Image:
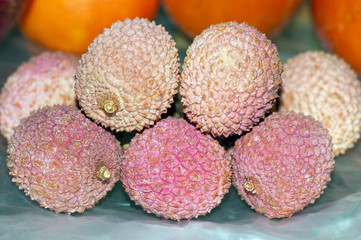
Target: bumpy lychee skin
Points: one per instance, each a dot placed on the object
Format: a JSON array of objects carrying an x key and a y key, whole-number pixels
[
  {"x": 62, "y": 159},
  {"x": 230, "y": 78},
  {"x": 129, "y": 75},
  {"x": 283, "y": 164},
  {"x": 324, "y": 86},
  {"x": 175, "y": 171},
  {"x": 46, "y": 79}
]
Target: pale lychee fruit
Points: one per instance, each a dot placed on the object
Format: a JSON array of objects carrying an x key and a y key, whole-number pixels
[
  {"x": 129, "y": 76},
  {"x": 45, "y": 79},
  {"x": 175, "y": 171},
  {"x": 283, "y": 164},
  {"x": 230, "y": 78},
  {"x": 62, "y": 159},
  {"x": 324, "y": 86}
]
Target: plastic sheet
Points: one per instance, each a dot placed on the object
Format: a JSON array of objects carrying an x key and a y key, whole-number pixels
[{"x": 335, "y": 215}]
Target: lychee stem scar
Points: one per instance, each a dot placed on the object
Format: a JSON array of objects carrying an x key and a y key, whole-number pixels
[
  {"x": 249, "y": 187},
  {"x": 109, "y": 106},
  {"x": 103, "y": 173}
]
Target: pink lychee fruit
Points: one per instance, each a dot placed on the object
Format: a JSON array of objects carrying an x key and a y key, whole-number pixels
[
  {"x": 230, "y": 79},
  {"x": 175, "y": 171},
  {"x": 45, "y": 79},
  {"x": 63, "y": 160},
  {"x": 324, "y": 86},
  {"x": 283, "y": 164},
  {"x": 129, "y": 76}
]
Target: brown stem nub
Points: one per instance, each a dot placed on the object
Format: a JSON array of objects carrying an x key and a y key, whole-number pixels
[
  {"x": 249, "y": 187},
  {"x": 103, "y": 173},
  {"x": 109, "y": 106}
]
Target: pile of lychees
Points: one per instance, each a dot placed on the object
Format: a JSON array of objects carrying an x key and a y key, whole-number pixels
[{"x": 61, "y": 117}]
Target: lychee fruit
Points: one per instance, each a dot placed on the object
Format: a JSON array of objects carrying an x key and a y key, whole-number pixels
[
  {"x": 324, "y": 86},
  {"x": 45, "y": 79},
  {"x": 230, "y": 79},
  {"x": 9, "y": 13},
  {"x": 175, "y": 171},
  {"x": 283, "y": 164},
  {"x": 62, "y": 159},
  {"x": 129, "y": 76}
]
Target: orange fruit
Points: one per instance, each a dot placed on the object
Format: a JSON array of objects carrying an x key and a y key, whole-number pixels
[
  {"x": 193, "y": 16},
  {"x": 71, "y": 25},
  {"x": 338, "y": 25}
]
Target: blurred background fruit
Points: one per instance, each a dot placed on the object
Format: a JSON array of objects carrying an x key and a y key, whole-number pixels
[
  {"x": 193, "y": 16},
  {"x": 72, "y": 25},
  {"x": 338, "y": 25},
  {"x": 9, "y": 11}
]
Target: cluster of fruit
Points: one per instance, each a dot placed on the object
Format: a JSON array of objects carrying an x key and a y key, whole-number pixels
[
  {"x": 65, "y": 154},
  {"x": 337, "y": 22}
]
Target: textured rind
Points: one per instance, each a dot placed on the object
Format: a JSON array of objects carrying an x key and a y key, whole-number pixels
[
  {"x": 288, "y": 159},
  {"x": 135, "y": 64},
  {"x": 46, "y": 79},
  {"x": 175, "y": 171},
  {"x": 324, "y": 86},
  {"x": 54, "y": 155},
  {"x": 230, "y": 79}
]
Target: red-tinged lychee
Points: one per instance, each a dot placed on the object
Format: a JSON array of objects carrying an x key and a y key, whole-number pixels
[
  {"x": 129, "y": 76},
  {"x": 324, "y": 86},
  {"x": 283, "y": 164},
  {"x": 45, "y": 79},
  {"x": 230, "y": 79},
  {"x": 62, "y": 159},
  {"x": 175, "y": 171},
  {"x": 9, "y": 13}
]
